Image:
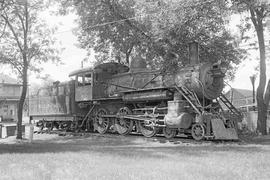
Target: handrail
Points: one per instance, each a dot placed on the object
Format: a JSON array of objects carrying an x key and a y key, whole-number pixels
[
  {"x": 190, "y": 102},
  {"x": 232, "y": 108}
]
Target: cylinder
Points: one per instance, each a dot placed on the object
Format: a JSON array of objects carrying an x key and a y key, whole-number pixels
[
  {"x": 176, "y": 116},
  {"x": 182, "y": 121}
]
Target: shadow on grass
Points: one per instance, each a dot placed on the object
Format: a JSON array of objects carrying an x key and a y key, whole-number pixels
[
  {"x": 124, "y": 146},
  {"x": 257, "y": 140}
]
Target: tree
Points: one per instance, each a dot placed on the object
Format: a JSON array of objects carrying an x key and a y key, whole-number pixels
[
  {"x": 115, "y": 39},
  {"x": 258, "y": 12},
  {"x": 153, "y": 29},
  {"x": 25, "y": 43}
]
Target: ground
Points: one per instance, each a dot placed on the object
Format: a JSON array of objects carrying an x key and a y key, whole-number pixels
[{"x": 96, "y": 156}]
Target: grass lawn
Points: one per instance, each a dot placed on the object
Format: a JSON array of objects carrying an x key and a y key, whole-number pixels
[{"x": 117, "y": 157}]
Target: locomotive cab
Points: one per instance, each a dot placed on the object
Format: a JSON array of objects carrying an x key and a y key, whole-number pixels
[
  {"x": 83, "y": 84},
  {"x": 91, "y": 84}
]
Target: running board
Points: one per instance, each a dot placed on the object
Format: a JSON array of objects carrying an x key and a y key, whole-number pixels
[{"x": 132, "y": 117}]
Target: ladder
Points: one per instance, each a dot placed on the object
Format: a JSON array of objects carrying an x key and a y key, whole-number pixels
[
  {"x": 191, "y": 97},
  {"x": 229, "y": 105},
  {"x": 87, "y": 116}
]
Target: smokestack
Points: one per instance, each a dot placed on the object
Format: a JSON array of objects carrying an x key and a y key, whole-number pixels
[{"x": 193, "y": 49}]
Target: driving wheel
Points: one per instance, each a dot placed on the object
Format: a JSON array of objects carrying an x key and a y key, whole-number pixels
[
  {"x": 123, "y": 125},
  {"x": 101, "y": 124}
]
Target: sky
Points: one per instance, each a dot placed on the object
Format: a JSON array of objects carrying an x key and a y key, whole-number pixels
[{"x": 72, "y": 55}]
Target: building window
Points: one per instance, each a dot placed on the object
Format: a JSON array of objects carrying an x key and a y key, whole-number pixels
[{"x": 5, "y": 108}]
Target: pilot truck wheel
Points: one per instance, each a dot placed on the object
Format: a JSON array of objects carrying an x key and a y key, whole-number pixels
[
  {"x": 169, "y": 133},
  {"x": 198, "y": 131}
]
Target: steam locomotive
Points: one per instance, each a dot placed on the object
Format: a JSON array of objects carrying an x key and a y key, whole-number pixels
[{"x": 114, "y": 97}]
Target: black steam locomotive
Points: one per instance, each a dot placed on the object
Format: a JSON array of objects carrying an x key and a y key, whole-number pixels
[{"x": 114, "y": 97}]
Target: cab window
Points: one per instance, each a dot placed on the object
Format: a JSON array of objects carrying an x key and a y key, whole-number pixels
[
  {"x": 88, "y": 79},
  {"x": 80, "y": 80},
  {"x": 85, "y": 79}
]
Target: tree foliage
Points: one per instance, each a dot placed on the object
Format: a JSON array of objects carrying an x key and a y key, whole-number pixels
[
  {"x": 39, "y": 40},
  {"x": 120, "y": 30},
  {"x": 25, "y": 42}
]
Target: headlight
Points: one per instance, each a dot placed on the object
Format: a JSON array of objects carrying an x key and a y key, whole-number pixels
[{"x": 223, "y": 70}]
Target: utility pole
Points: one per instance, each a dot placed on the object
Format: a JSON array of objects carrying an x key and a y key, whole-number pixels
[{"x": 252, "y": 79}]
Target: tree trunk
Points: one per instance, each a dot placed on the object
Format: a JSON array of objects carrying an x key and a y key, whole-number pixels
[
  {"x": 128, "y": 52},
  {"x": 127, "y": 58},
  {"x": 22, "y": 98},
  {"x": 262, "y": 106},
  {"x": 24, "y": 73}
]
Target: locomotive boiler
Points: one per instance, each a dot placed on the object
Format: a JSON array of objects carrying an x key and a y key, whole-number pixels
[{"x": 114, "y": 97}]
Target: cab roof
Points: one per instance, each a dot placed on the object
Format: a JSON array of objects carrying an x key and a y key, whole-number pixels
[
  {"x": 110, "y": 67},
  {"x": 80, "y": 71}
]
